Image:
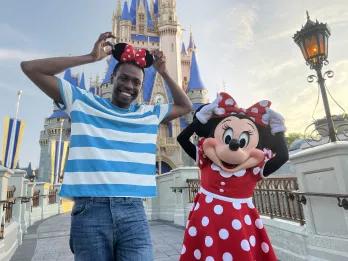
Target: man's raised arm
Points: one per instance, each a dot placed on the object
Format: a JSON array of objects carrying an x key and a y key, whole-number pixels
[
  {"x": 182, "y": 103},
  {"x": 42, "y": 71}
]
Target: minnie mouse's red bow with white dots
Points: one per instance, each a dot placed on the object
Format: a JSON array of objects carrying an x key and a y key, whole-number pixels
[
  {"x": 227, "y": 106},
  {"x": 131, "y": 55}
]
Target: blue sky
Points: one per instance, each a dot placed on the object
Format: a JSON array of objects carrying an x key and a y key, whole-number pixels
[{"x": 245, "y": 44}]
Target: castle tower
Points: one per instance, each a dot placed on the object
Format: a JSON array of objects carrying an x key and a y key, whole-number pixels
[
  {"x": 125, "y": 24},
  {"x": 170, "y": 37}
]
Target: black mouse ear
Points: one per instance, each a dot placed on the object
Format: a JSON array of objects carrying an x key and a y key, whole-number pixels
[
  {"x": 118, "y": 50},
  {"x": 149, "y": 59}
]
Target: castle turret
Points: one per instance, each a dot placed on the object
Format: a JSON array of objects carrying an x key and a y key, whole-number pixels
[
  {"x": 196, "y": 89},
  {"x": 125, "y": 24},
  {"x": 170, "y": 38}
]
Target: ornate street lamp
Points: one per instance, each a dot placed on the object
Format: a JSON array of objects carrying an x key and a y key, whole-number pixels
[{"x": 313, "y": 42}]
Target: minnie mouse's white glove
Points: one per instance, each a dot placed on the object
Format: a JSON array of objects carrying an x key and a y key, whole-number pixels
[
  {"x": 275, "y": 120},
  {"x": 208, "y": 110}
]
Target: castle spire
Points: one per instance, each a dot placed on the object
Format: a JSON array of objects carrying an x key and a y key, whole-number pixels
[
  {"x": 125, "y": 12},
  {"x": 195, "y": 82},
  {"x": 133, "y": 11},
  {"x": 191, "y": 42},
  {"x": 119, "y": 9},
  {"x": 183, "y": 49}
]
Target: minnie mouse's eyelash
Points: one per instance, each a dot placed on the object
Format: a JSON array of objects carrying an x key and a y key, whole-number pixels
[
  {"x": 250, "y": 132},
  {"x": 225, "y": 127}
]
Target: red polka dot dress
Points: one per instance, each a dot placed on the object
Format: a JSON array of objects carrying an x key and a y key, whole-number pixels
[{"x": 223, "y": 223}]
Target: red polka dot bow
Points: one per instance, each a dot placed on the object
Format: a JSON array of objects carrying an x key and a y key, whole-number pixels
[
  {"x": 131, "y": 55},
  {"x": 257, "y": 113}
]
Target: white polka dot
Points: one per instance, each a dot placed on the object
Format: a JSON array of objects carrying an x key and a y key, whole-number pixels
[
  {"x": 208, "y": 241},
  {"x": 265, "y": 247},
  {"x": 129, "y": 56},
  {"x": 229, "y": 101},
  {"x": 250, "y": 204},
  {"x": 208, "y": 199},
  {"x": 205, "y": 221},
  {"x": 247, "y": 220},
  {"x": 197, "y": 206},
  {"x": 236, "y": 205},
  {"x": 258, "y": 223},
  {"x": 256, "y": 170},
  {"x": 124, "y": 59},
  {"x": 223, "y": 233},
  {"x": 254, "y": 110},
  {"x": 209, "y": 258},
  {"x": 245, "y": 245},
  {"x": 200, "y": 162},
  {"x": 236, "y": 224},
  {"x": 222, "y": 183},
  {"x": 221, "y": 190},
  {"x": 143, "y": 59},
  {"x": 183, "y": 250},
  {"x": 227, "y": 257},
  {"x": 192, "y": 231},
  {"x": 137, "y": 54},
  {"x": 252, "y": 240},
  {"x": 218, "y": 209},
  {"x": 197, "y": 254}
]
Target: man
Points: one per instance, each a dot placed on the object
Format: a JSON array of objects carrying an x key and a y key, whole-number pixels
[{"x": 112, "y": 153}]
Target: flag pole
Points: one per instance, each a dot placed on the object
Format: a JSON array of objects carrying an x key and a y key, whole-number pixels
[{"x": 19, "y": 93}]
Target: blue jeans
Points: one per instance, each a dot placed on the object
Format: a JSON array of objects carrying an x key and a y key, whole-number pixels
[{"x": 107, "y": 229}]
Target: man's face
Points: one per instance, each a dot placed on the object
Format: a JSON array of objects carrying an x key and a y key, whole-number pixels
[{"x": 126, "y": 85}]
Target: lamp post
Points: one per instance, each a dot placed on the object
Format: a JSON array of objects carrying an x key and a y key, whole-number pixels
[{"x": 313, "y": 42}]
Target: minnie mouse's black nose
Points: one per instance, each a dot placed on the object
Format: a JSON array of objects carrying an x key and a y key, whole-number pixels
[{"x": 234, "y": 145}]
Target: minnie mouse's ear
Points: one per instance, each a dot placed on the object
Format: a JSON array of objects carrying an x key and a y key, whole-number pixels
[
  {"x": 149, "y": 59},
  {"x": 117, "y": 50}
]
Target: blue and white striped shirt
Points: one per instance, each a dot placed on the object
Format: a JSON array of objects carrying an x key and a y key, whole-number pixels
[{"x": 112, "y": 150}]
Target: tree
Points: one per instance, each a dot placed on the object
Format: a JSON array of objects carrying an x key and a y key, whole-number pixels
[{"x": 291, "y": 137}]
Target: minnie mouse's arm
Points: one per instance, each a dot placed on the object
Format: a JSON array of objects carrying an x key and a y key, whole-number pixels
[
  {"x": 184, "y": 139},
  {"x": 282, "y": 155}
]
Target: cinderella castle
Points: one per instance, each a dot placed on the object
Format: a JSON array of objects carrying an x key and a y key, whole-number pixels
[{"x": 150, "y": 24}]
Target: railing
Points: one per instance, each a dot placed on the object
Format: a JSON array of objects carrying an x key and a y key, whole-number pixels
[
  {"x": 275, "y": 197},
  {"x": 52, "y": 196},
  {"x": 193, "y": 187},
  {"x": 36, "y": 198},
  {"x": 8, "y": 204},
  {"x": 7, "y": 208}
]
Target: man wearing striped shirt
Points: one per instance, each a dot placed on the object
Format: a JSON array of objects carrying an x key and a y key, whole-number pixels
[{"x": 111, "y": 163}]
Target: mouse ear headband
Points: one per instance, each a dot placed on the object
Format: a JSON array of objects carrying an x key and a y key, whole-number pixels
[{"x": 124, "y": 53}]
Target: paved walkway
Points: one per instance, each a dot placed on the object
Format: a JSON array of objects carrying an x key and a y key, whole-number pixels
[{"x": 49, "y": 240}]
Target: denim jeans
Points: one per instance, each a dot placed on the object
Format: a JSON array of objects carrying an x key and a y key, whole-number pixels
[{"x": 107, "y": 229}]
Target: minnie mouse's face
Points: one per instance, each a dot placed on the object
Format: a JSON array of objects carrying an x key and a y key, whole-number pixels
[{"x": 233, "y": 146}]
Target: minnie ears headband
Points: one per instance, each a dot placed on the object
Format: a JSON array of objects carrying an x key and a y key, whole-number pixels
[
  {"x": 124, "y": 53},
  {"x": 227, "y": 106}
]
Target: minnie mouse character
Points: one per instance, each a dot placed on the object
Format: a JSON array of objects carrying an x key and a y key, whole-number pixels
[{"x": 237, "y": 148}]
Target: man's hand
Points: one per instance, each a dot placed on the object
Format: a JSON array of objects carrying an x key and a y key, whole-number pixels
[
  {"x": 102, "y": 47},
  {"x": 159, "y": 62}
]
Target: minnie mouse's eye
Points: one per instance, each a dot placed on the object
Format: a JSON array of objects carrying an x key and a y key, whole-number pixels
[
  {"x": 228, "y": 134},
  {"x": 244, "y": 139}
]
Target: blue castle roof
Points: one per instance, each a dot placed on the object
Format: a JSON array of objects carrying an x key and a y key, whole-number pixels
[
  {"x": 111, "y": 65},
  {"x": 183, "y": 49},
  {"x": 195, "y": 82},
  {"x": 148, "y": 14},
  {"x": 82, "y": 82},
  {"x": 155, "y": 7},
  {"x": 133, "y": 11},
  {"x": 125, "y": 12}
]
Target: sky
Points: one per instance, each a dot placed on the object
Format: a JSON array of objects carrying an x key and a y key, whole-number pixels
[{"x": 245, "y": 48}]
